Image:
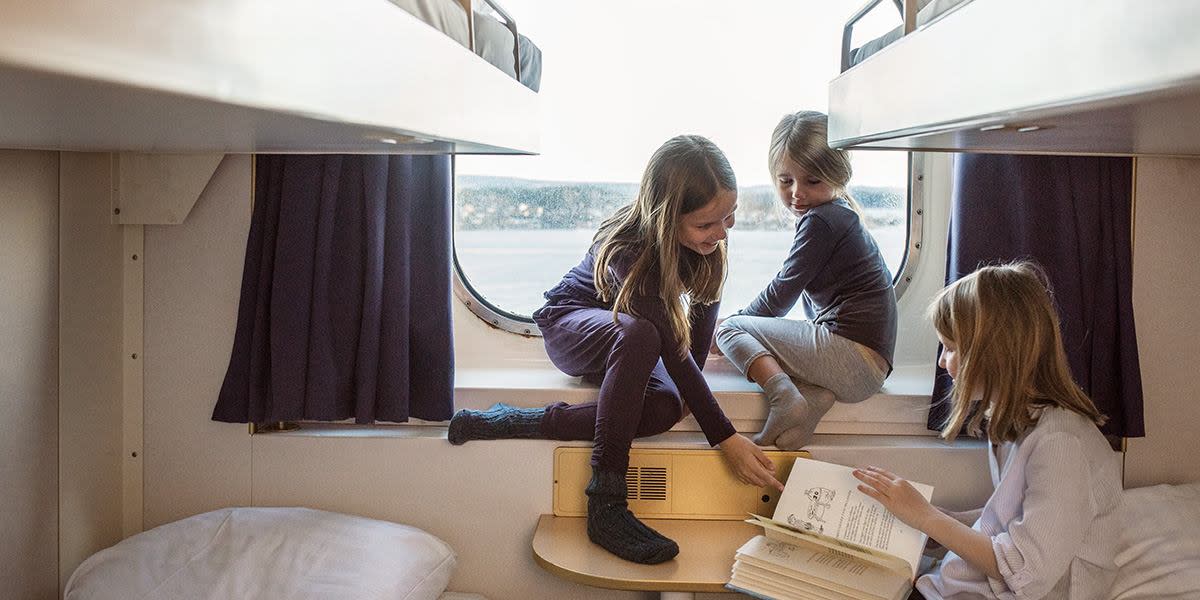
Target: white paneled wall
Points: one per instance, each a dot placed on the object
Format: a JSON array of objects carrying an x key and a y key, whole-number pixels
[{"x": 29, "y": 374}]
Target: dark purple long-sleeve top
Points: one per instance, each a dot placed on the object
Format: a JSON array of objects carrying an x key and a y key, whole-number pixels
[
  {"x": 835, "y": 267},
  {"x": 578, "y": 288}
]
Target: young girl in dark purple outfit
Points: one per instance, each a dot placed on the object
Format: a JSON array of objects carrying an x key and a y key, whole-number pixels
[{"x": 637, "y": 316}]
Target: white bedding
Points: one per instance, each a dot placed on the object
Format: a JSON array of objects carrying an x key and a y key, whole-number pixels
[
  {"x": 1159, "y": 556},
  {"x": 269, "y": 553}
]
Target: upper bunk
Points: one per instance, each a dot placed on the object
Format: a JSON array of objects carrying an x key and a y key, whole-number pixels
[
  {"x": 1105, "y": 77},
  {"x": 351, "y": 76}
]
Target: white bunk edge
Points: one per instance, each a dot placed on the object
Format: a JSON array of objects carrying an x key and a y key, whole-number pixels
[
  {"x": 345, "y": 76},
  {"x": 1080, "y": 76}
]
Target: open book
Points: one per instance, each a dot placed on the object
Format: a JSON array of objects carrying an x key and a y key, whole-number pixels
[{"x": 829, "y": 541}]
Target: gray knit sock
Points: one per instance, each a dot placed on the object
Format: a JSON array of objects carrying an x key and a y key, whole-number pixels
[
  {"x": 792, "y": 413},
  {"x": 496, "y": 423},
  {"x": 614, "y": 528}
]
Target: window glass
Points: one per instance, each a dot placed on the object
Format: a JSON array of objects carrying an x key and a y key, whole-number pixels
[{"x": 614, "y": 87}]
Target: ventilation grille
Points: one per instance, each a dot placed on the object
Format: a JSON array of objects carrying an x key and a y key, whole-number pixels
[{"x": 646, "y": 483}]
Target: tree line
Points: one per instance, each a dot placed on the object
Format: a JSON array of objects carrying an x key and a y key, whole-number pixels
[{"x": 484, "y": 202}]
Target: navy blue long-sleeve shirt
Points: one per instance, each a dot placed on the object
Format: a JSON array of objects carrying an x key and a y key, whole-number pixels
[{"x": 836, "y": 269}]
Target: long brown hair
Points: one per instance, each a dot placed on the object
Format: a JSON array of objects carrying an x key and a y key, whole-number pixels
[
  {"x": 1010, "y": 352},
  {"x": 683, "y": 175},
  {"x": 803, "y": 137}
]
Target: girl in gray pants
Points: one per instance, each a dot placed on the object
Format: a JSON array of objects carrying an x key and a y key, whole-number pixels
[{"x": 844, "y": 351}]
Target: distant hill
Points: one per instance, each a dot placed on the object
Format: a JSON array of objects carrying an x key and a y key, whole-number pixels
[{"x": 489, "y": 202}]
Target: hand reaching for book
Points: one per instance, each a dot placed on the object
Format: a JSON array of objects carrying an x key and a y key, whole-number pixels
[
  {"x": 897, "y": 495},
  {"x": 748, "y": 462}
]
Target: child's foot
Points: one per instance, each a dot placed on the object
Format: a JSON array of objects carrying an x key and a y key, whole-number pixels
[
  {"x": 614, "y": 528},
  {"x": 498, "y": 422},
  {"x": 792, "y": 412}
]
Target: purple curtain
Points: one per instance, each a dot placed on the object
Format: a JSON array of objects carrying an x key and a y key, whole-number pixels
[
  {"x": 345, "y": 306},
  {"x": 1073, "y": 215}
]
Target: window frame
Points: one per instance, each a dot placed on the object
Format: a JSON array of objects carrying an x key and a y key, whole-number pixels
[{"x": 524, "y": 326}]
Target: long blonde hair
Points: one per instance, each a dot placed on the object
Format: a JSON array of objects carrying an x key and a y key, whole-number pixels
[
  {"x": 803, "y": 137},
  {"x": 683, "y": 175},
  {"x": 1010, "y": 352}
]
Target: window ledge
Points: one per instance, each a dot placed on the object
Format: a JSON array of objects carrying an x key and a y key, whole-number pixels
[{"x": 900, "y": 408}]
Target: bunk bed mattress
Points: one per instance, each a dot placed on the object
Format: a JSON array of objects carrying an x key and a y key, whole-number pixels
[
  {"x": 446, "y": 16},
  {"x": 928, "y": 11},
  {"x": 493, "y": 40},
  {"x": 1159, "y": 549},
  {"x": 269, "y": 553}
]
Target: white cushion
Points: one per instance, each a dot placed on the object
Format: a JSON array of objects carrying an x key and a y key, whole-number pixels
[
  {"x": 269, "y": 553},
  {"x": 1159, "y": 553}
]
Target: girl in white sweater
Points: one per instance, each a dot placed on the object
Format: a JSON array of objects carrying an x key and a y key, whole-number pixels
[{"x": 1048, "y": 530}]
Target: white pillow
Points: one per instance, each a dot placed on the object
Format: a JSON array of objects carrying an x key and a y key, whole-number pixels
[
  {"x": 269, "y": 553},
  {"x": 1159, "y": 553}
]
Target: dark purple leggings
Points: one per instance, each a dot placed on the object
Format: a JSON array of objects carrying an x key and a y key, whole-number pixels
[{"x": 637, "y": 398}]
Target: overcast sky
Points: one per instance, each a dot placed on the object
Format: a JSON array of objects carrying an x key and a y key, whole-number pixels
[{"x": 620, "y": 77}]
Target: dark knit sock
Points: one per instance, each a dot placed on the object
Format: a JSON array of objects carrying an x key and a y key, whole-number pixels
[
  {"x": 614, "y": 528},
  {"x": 500, "y": 422}
]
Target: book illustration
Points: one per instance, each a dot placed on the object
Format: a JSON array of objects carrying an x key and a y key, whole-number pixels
[{"x": 821, "y": 498}]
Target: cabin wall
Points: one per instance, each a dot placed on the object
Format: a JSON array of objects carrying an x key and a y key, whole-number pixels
[
  {"x": 1166, "y": 285},
  {"x": 193, "y": 277},
  {"x": 29, "y": 374},
  {"x": 90, "y": 383}
]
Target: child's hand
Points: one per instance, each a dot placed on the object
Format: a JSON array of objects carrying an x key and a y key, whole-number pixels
[
  {"x": 749, "y": 462},
  {"x": 713, "y": 348},
  {"x": 897, "y": 495}
]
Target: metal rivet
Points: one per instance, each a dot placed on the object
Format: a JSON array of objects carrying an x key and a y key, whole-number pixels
[
  {"x": 920, "y": 178},
  {"x": 526, "y": 332},
  {"x": 917, "y": 245},
  {"x": 134, "y": 257},
  {"x": 908, "y": 278},
  {"x": 134, "y": 454},
  {"x": 134, "y": 356},
  {"x": 920, "y": 211},
  {"x": 116, "y": 211}
]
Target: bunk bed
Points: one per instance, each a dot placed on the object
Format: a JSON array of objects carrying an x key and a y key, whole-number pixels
[
  {"x": 1094, "y": 77},
  {"x": 1023, "y": 76},
  {"x": 265, "y": 76},
  {"x": 168, "y": 88}
]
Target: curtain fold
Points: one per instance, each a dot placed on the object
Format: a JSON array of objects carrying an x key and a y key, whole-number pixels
[
  {"x": 1073, "y": 215},
  {"x": 345, "y": 304}
]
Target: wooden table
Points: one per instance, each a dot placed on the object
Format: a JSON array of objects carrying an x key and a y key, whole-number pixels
[{"x": 706, "y": 550}]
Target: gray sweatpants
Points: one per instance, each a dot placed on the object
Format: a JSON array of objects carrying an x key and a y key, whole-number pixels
[{"x": 807, "y": 352}]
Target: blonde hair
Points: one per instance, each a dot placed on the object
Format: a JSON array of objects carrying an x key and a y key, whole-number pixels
[
  {"x": 803, "y": 137},
  {"x": 1010, "y": 352},
  {"x": 683, "y": 175}
]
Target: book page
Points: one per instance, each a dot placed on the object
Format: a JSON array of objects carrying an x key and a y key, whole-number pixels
[
  {"x": 778, "y": 531},
  {"x": 817, "y": 570},
  {"x": 823, "y": 498}
]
